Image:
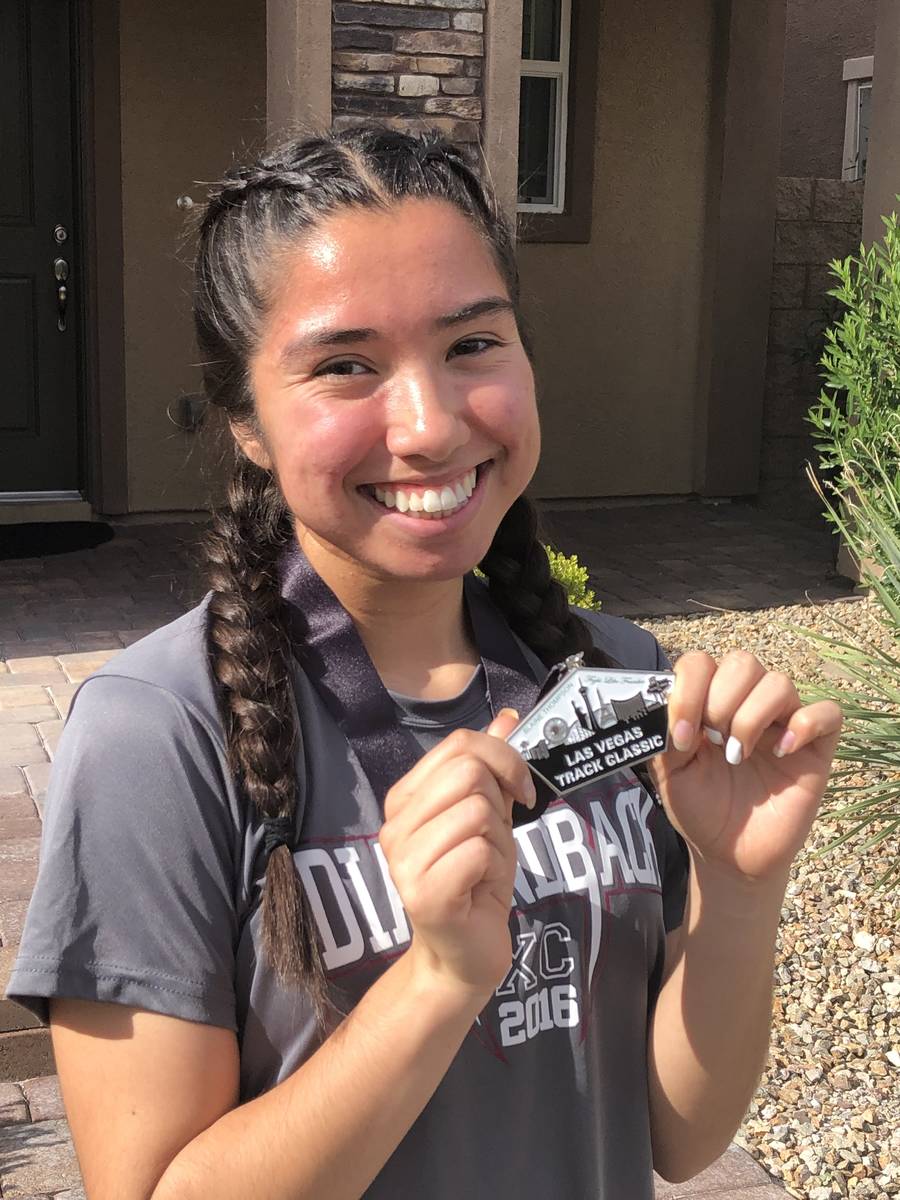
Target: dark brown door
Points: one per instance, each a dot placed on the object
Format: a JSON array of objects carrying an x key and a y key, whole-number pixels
[{"x": 40, "y": 280}]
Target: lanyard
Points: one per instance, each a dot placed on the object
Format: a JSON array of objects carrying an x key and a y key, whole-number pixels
[{"x": 330, "y": 651}]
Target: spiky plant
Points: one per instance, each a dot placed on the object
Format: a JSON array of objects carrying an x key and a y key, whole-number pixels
[{"x": 864, "y": 791}]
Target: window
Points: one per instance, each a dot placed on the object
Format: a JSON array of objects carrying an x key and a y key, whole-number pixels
[
  {"x": 557, "y": 116},
  {"x": 543, "y": 105},
  {"x": 858, "y": 77}
]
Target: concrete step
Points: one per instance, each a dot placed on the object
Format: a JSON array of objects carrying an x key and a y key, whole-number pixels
[
  {"x": 25, "y": 1048},
  {"x": 12, "y": 1015},
  {"x": 25, "y": 1053}
]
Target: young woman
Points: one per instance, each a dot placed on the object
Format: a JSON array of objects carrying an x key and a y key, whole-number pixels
[{"x": 288, "y": 938}]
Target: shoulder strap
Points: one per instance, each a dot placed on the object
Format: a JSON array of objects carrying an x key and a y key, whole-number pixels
[{"x": 330, "y": 651}]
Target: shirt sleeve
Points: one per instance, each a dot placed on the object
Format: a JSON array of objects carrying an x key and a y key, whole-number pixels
[{"x": 135, "y": 896}]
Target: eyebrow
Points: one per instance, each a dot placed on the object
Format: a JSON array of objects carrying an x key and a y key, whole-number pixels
[{"x": 489, "y": 305}]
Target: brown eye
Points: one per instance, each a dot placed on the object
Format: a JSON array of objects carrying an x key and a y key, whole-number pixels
[
  {"x": 336, "y": 368},
  {"x": 480, "y": 344}
]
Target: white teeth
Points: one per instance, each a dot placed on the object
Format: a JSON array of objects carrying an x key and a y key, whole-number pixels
[{"x": 433, "y": 503}]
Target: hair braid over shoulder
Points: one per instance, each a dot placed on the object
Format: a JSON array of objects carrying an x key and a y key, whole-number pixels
[
  {"x": 533, "y": 602},
  {"x": 250, "y": 659}
]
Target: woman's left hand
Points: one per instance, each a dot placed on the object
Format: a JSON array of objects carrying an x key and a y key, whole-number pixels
[{"x": 747, "y": 817}]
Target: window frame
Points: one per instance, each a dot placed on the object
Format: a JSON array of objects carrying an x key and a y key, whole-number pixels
[
  {"x": 560, "y": 70},
  {"x": 858, "y": 73},
  {"x": 573, "y": 222}
]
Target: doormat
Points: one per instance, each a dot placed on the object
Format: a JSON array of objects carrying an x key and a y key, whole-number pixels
[{"x": 36, "y": 539}]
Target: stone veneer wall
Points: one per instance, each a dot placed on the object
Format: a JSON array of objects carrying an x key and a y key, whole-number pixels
[
  {"x": 411, "y": 63},
  {"x": 816, "y": 220}
]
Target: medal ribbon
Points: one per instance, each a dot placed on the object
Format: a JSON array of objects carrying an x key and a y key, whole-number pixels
[{"x": 330, "y": 651}]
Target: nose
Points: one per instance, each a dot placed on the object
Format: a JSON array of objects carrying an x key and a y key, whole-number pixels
[{"x": 424, "y": 419}]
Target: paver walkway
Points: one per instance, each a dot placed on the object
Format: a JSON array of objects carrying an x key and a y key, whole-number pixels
[
  {"x": 660, "y": 559},
  {"x": 62, "y": 616}
]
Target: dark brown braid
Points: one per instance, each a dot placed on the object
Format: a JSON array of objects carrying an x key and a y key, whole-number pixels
[
  {"x": 250, "y": 658},
  {"x": 263, "y": 179},
  {"x": 533, "y": 602},
  {"x": 254, "y": 212}
]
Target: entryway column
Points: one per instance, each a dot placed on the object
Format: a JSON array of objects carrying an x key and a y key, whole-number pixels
[
  {"x": 298, "y": 58},
  {"x": 745, "y": 99},
  {"x": 883, "y": 170},
  {"x": 500, "y": 128}
]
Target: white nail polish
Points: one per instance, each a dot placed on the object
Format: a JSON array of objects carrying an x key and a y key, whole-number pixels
[
  {"x": 713, "y": 735},
  {"x": 734, "y": 752}
]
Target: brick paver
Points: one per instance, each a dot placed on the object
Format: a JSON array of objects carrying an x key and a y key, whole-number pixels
[
  {"x": 662, "y": 559},
  {"x": 43, "y": 1098},
  {"x": 12, "y": 781},
  {"x": 64, "y": 616},
  {"x": 22, "y": 696},
  {"x": 38, "y": 1159},
  {"x": 32, "y": 714},
  {"x": 16, "y": 804},
  {"x": 61, "y": 696}
]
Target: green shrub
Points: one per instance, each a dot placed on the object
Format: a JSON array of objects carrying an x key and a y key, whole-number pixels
[
  {"x": 574, "y": 578},
  {"x": 859, "y": 406}
]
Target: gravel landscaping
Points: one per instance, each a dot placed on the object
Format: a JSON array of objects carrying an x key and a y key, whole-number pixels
[{"x": 826, "y": 1118}]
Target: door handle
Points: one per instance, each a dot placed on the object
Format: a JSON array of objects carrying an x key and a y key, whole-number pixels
[{"x": 61, "y": 274}]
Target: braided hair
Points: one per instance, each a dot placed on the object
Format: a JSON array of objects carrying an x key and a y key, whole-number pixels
[{"x": 254, "y": 211}]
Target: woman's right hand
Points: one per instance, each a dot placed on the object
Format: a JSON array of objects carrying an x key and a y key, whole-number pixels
[{"x": 448, "y": 841}]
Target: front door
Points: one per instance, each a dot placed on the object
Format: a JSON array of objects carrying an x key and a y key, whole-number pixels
[{"x": 40, "y": 263}]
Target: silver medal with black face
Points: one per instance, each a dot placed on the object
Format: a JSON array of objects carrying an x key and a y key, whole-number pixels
[{"x": 591, "y": 722}]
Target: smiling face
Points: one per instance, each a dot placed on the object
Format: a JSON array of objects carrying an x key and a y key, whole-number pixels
[{"x": 394, "y": 400}]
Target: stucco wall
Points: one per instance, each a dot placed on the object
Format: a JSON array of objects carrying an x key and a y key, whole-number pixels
[
  {"x": 616, "y": 320},
  {"x": 820, "y": 35},
  {"x": 193, "y": 87}
]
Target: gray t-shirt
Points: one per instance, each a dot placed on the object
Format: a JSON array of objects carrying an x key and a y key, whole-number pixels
[{"x": 148, "y": 894}]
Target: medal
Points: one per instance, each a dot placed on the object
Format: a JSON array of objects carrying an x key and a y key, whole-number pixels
[
  {"x": 590, "y": 722},
  {"x": 586, "y": 722}
]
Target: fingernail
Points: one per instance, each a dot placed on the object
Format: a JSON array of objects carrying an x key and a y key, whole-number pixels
[
  {"x": 786, "y": 745},
  {"x": 508, "y": 712},
  {"x": 530, "y": 793},
  {"x": 713, "y": 735},
  {"x": 682, "y": 735},
  {"x": 734, "y": 752}
]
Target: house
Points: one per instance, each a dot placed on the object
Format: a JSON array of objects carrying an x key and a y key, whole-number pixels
[
  {"x": 638, "y": 139},
  {"x": 826, "y": 203},
  {"x": 828, "y": 70}
]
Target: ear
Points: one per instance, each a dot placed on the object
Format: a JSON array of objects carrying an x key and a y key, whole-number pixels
[{"x": 251, "y": 444}]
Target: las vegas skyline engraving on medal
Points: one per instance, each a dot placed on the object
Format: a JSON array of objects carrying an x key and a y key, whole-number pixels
[{"x": 594, "y": 722}]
